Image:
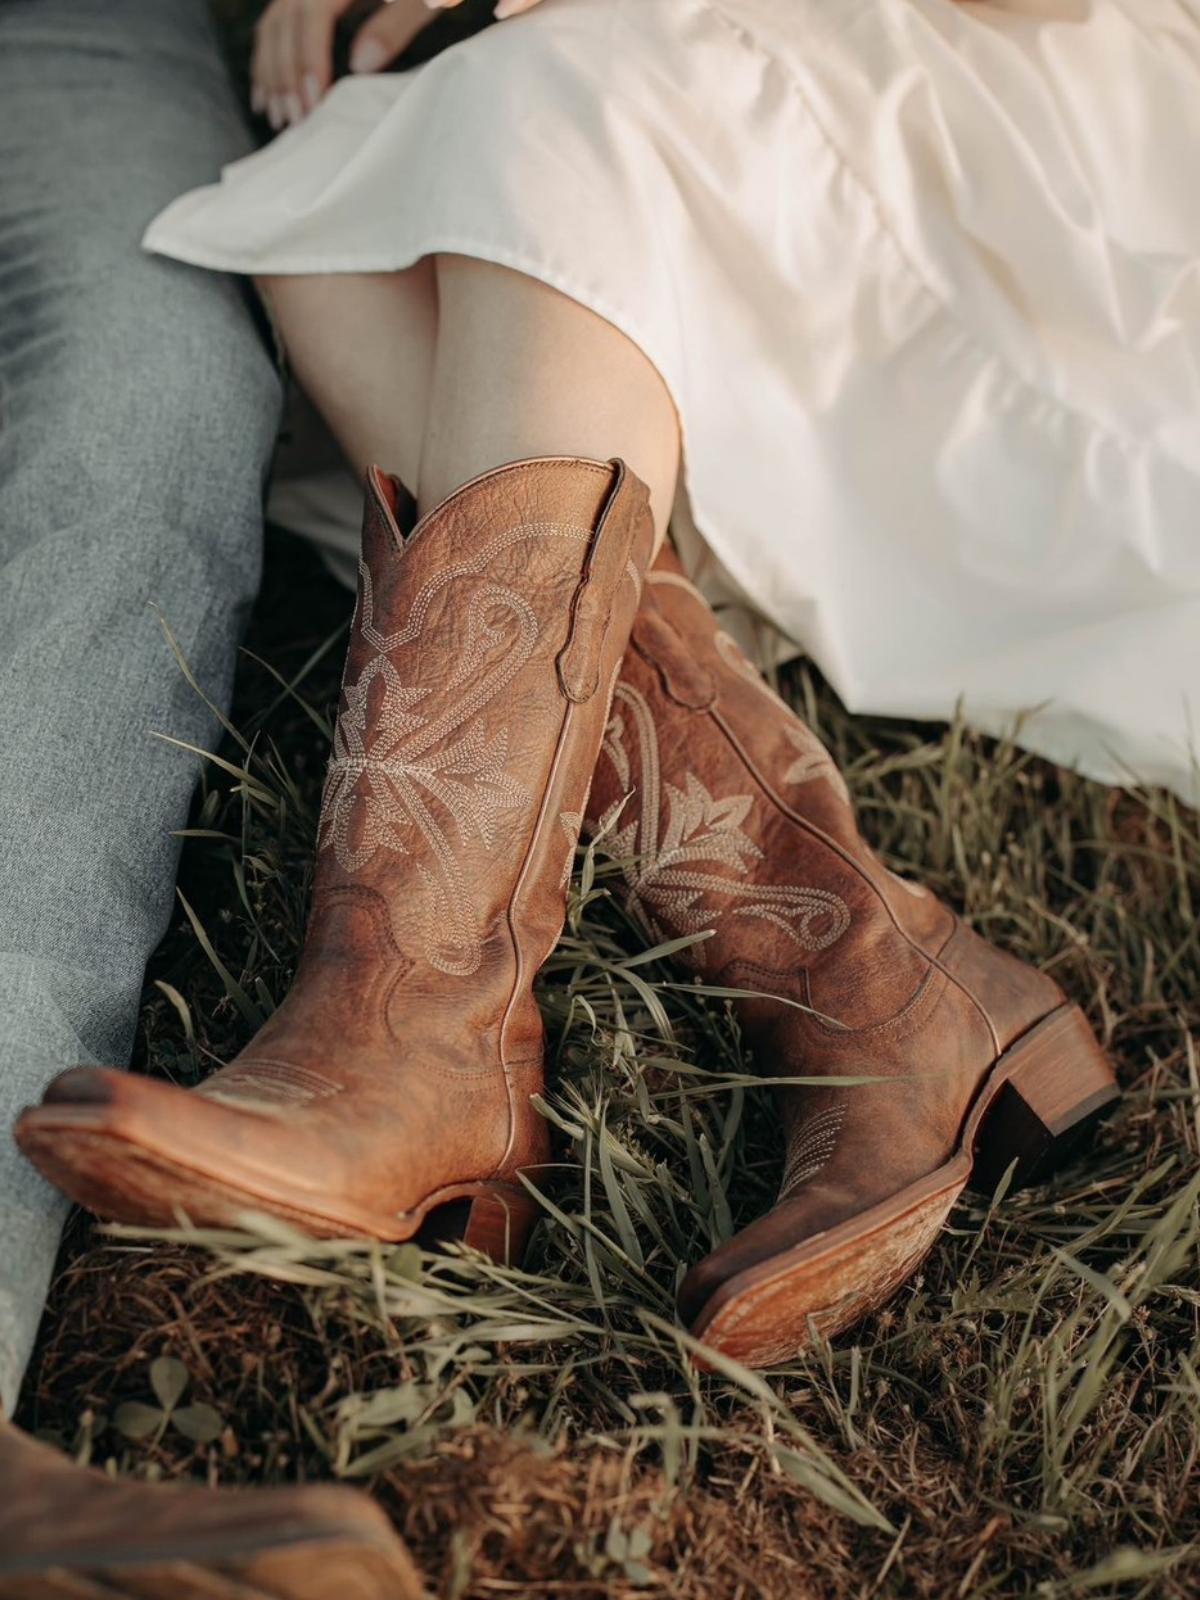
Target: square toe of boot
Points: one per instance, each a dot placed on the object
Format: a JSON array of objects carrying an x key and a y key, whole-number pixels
[{"x": 79, "y": 1086}]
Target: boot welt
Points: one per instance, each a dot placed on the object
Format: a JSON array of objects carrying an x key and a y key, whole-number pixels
[
  {"x": 84, "y": 1150},
  {"x": 313, "y": 1566},
  {"x": 1040, "y": 1101}
]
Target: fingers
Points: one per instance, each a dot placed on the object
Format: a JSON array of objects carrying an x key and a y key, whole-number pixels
[
  {"x": 292, "y": 64},
  {"x": 313, "y": 51},
  {"x": 384, "y": 35},
  {"x": 503, "y": 8}
]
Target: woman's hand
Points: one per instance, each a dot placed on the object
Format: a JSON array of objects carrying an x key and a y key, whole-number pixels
[
  {"x": 293, "y": 50},
  {"x": 504, "y": 8},
  {"x": 293, "y": 47}
]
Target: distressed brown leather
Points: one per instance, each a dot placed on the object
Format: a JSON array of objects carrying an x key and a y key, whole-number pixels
[
  {"x": 397, "y": 1073},
  {"x": 67, "y": 1531},
  {"x": 730, "y": 816}
]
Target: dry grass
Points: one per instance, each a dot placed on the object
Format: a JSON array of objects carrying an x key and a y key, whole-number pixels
[{"x": 1022, "y": 1420}]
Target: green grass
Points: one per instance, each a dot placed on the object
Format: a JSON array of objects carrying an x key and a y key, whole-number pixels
[{"x": 1023, "y": 1419}]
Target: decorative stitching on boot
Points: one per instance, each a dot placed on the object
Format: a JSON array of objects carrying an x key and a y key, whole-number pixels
[
  {"x": 571, "y": 822},
  {"x": 811, "y": 1148},
  {"x": 814, "y": 761},
  {"x": 661, "y": 863},
  {"x": 386, "y": 774},
  {"x": 275, "y": 1085},
  {"x": 388, "y": 643},
  {"x": 383, "y": 777}
]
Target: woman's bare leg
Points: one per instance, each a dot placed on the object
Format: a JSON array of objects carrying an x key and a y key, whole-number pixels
[
  {"x": 362, "y": 346},
  {"x": 522, "y": 370},
  {"x": 455, "y": 366}
]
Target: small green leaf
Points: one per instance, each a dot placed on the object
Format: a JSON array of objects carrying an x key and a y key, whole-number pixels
[
  {"x": 616, "y": 1545},
  {"x": 168, "y": 1379},
  {"x": 405, "y": 1262},
  {"x": 137, "y": 1421},
  {"x": 640, "y": 1541},
  {"x": 199, "y": 1423}
]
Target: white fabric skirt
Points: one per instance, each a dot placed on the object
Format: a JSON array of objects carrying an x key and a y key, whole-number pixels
[{"x": 923, "y": 279}]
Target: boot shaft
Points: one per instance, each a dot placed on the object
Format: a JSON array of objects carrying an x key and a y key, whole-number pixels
[
  {"x": 738, "y": 824},
  {"x": 483, "y": 649},
  {"x": 731, "y": 818}
]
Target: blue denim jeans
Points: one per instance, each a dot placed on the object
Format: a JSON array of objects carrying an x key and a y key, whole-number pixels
[{"x": 138, "y": 409}]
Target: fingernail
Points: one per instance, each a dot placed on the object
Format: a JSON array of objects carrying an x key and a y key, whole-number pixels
[
  {"x": 258, "y": 99},
  {"x": 275, "y": 114},
  {"x": 311, "y": 90},
  {"x": 368, "y": 56},
  {"x": 294, "y": 108},
  {"x": 508, "y": 8}
]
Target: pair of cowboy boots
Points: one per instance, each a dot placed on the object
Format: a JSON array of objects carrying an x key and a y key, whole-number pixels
[{"x": 511, "y": 678}]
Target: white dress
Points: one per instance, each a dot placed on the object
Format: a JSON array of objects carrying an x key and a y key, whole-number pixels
[{"x": 922, "y": 277}]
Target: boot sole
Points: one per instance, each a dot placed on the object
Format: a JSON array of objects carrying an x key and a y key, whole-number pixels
[
  {"x": 1040, "y": 1102},
  {"x": 310, "y": 1568},
  {"x": 84, "y": 1151}
]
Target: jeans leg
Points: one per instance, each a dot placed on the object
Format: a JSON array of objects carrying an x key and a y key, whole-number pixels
[{"x": 138, "y": 408}]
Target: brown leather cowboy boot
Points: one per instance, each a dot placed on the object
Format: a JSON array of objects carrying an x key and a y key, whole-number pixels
[
  {"x": 396, "y": 1076},
  {"x": 737, "y": 821},
  {"x": 67, "y": 1534}
]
